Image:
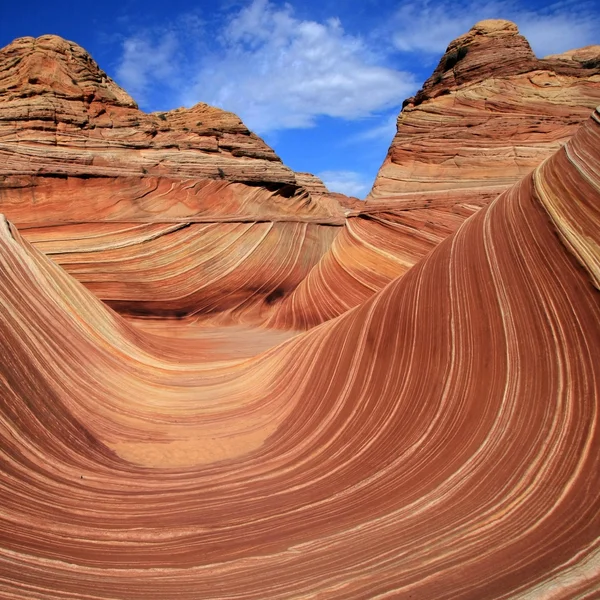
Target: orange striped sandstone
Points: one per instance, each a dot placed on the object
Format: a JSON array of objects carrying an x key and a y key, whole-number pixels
[
  {"x": 441, "y": 440},
  {"x": 178, "y": 213},
  {"x": 490, "y": 113},
  {"x": 502, "y": 103}
]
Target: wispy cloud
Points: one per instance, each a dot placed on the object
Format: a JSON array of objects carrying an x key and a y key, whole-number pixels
[
  {"x": 385, "y": 129},
  {"x": 280, "y": 72},
  {"x": 429, "y": 26},
  {"x": 350, "y": 183},
  {"x": 273, "y": 69},
  {"x": 144, "y": 61}
]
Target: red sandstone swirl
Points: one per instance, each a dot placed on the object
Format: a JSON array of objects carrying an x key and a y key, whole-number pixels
[
  {"x": 489, "y": 114},
  {"x": 441, "y": 440},
  {"x": 179, "y": 213}
]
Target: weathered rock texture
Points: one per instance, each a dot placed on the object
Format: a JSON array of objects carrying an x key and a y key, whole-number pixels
[
  {"x": 489, "y": 114},
  {"x": 67, "y": 118},
  {"x": 441, "y": 440},
  {"x": 219, "y": 271},
  {"x": 179, "y": 213}
]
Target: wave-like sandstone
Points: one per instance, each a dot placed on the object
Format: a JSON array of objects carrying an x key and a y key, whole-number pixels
[
  {"x": 441, "y": 440},
  {"x": 79, "y": 151},
  {"x": 228, "y": 272},
  {"x": 489, "y": 114},
  {"x": 179, "y": 213},
  {"x": 370, "y": 251}
]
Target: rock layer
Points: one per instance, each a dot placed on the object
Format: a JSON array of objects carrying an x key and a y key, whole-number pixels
[
  {"x": 68, "y": 117},
  {"x": 224, "y": 272},
  {"x": 159, "y": 214},
  {"x": 438, "y": 441},
  {"x": 79, "y": 151},
  {"x": 64, "y": 122},
  {"x": 490, "y": 112}
]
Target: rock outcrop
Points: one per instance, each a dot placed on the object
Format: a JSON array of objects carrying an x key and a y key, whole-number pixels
[
  {"x": 440, "y": 438},
  {"x": 68, "y": 118},
  {"x": 488, "y": 115},
  {"x": 77, "y": 151},
  {"x": 159, "y": 214},
  {"x": 64, "y": 125},
  {"x": 438, "y": 441}
]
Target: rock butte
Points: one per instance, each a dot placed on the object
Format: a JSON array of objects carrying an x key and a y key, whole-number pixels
[
  {"x": 438, "y": 439},
  {"x": 489, "y": 114},
  {"x": 188, "y": 203}
]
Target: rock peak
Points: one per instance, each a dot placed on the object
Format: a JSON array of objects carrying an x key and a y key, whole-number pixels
[
  {"x": 79, "y": 134},
  {"x": 495, "y": 27},
  {"x": 52, "y": 66},
  {"x": 495, "y": 48},
  {"x": 498, "y": 32}
]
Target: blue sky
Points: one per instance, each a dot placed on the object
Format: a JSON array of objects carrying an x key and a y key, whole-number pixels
[{"x": 322, "y": 81}]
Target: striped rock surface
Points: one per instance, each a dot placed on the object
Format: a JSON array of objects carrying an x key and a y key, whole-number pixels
[
  {"x": 221, "y": 272},
  {"x": 490, "y": 113},
  {"x": 136, "y": 174},
  {"x": 68, "y": 118},
  {"x": 164, "y": 214},
  {"x": 71, "y": 140},
  {"x": 440, "y": 440}
]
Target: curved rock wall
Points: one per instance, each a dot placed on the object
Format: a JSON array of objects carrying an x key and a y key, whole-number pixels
[
  {"x": 438, "y": 441},
  {"x": 165, "y": 214},
  {"x": 490, "y": 113}
]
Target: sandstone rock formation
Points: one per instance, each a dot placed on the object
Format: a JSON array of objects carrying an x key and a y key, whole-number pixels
[
  {"x": 439, "y": 438},
  {"x": 160, "y": 212},
  {"x": 438, "y": 441},
  {"x": 489, "y": 114},
  {"x": 70, "y": 119}
]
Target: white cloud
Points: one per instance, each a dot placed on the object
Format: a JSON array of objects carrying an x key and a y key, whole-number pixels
[
  {"x": 277, "y": 71},
  {"x": 350, "y": 183},
  {"x": 428, "y": 27},
  {"x": 385, "y": 130},
  {"x": 144, "y": 62},
  {"x": 271, "y": 68}
]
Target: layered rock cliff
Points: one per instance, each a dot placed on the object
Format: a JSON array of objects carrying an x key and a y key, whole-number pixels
[
  {"x": 64, "y": 122},
  {"x": 180, "y": 213},
  {"x": 488, "y": 115},
  {"x": 149, "y": 186},
  {"x": 490, "y": 112},
  {"x": 441, "y": 440}
]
